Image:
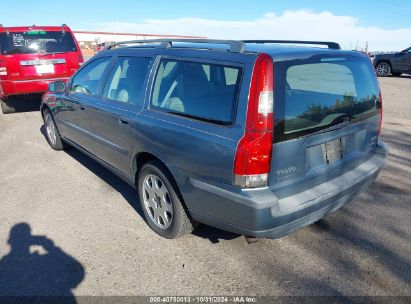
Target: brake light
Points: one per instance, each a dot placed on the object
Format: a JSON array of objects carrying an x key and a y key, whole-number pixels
[
  {"x": 253, "y": 156},
  {"x": 80, "y": 59},
  {"x": 380, "y": 103},
  {"x": 3, "y": 70}
]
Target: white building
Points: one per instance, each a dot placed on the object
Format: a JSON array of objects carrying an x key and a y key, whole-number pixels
[{"x": 86, "y": 38}]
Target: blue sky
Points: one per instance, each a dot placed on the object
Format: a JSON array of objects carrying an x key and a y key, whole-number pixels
[
  {"x": 83, "y": 14},
  {"x": 382, "y": 25}
]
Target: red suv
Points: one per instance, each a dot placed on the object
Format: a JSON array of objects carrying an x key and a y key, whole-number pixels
[{"x": 32, "y": 57}]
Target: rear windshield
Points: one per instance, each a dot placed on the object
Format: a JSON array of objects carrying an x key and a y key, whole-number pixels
[
  {"x": 36, "y": 41},
  {"x": 321, "y": 92}
]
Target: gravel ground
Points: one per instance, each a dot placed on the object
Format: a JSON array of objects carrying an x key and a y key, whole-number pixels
[{"x": 90, "y": 224}]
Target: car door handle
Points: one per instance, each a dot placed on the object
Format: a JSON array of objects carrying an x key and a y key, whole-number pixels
[{"x": 123, "y": 121}]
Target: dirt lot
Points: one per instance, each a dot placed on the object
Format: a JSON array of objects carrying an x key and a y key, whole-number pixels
[{"x": 99, "y": 244}]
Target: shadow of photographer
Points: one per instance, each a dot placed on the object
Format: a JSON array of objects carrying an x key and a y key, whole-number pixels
[{"x": 36, "y": 267}]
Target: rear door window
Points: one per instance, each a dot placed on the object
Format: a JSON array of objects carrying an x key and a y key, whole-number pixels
[
  {"x": 126, "y": 80},
  {"x": 87, "y": 79},
  {"x": 36, "y": 41},
  {"x": 197, "y": 90},
  {"x": 321, "y": 92}
]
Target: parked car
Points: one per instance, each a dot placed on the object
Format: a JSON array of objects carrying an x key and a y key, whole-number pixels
[
  {"x": 252, "y": 137},
  {"x": 393, "y": 64},
  {"x": 31, "y": 57},
  {"x": 102, "y": 45}
]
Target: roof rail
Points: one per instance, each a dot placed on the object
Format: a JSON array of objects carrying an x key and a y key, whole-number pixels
[
  {"x": 330, "y": 45},
  {"x": 234, "y": 45}
]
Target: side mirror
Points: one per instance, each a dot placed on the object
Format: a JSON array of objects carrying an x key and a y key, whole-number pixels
[{"x": 57, "y": 87}]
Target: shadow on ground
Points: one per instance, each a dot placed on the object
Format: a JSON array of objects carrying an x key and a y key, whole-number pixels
[
  {"x": 214, "y": 235},
  {"x": 36, "y": 267},
  {"x": 128, "y": 192},
  {"x": 26, "y": 103}
]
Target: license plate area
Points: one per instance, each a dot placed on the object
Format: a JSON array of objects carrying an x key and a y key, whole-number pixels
[
  {"x": 333, "y": 150},
  {"x": 44, "y": 69}
]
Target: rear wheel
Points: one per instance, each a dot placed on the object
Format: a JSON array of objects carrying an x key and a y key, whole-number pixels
[
  {"x": 8, "y": 106},
  {"x": 52, "y": 134},
  {"x": 163, "y": 208},
  {"x": 383, "y": 69}
]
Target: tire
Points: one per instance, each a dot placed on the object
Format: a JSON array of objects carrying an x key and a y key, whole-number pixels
[
  {"x": 8, "y": 106},
  {"x": 52, "y": 134},
  {"x": 163, "y": 207},
  {"x": 383, "y": 69}
]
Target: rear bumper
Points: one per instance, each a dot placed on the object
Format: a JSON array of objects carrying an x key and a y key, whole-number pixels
[
  {"x": 19, "y": 87},
  {"x": 259, "y": 213}
]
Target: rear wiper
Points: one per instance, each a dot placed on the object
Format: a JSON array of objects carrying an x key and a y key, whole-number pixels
[
  {"x": 344, "y": 123},
  {"x": 332, "y": 128},
  {"x": 220, "y": 122}
]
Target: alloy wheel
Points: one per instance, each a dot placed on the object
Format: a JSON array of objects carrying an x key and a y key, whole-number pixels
[
  {"x": 51, "y": 130},
  {"x": 383, "y": 69},
  {"x": 157, "y": 201}
]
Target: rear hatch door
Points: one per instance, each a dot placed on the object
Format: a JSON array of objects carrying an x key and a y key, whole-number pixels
[
  {"x": 38, "y": 54},
  {"x": 327, "y": 119}
]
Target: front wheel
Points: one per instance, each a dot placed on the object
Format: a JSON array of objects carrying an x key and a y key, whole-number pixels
[
  {"x": 383, "y": 69},
  {"x": 52, "y": 134},
  {"x": 164, "y": 210}
]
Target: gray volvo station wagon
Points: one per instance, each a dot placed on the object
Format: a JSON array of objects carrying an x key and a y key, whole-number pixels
[{"x": 254, "y": 137}]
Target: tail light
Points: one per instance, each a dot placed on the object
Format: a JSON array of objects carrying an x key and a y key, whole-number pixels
[
  {"x": 253, "y": 156},
  {"x": 80, "y": 59},
  {"x": 3, "y": 70},
  {"x": 380, "y": 104}
]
